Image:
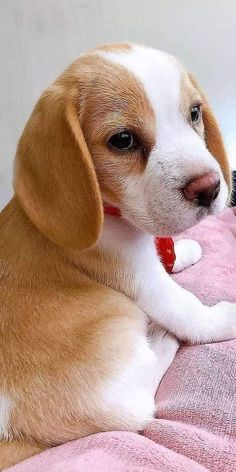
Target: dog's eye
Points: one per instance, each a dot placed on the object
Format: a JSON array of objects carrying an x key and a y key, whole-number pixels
[
  {"x": 123, "y": 141},
  {"x": 196, "y": 114}
]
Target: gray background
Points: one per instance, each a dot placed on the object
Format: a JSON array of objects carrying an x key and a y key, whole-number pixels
[{"x": 39, "y": 38}]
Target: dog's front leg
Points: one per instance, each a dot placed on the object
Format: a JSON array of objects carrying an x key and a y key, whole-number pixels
[{"x": 180, "y": 312}]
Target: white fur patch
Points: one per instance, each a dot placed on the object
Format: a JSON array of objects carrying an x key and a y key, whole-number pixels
[
  {"x": 132, "y": 390},
  {"x": 5, "y": 411}
]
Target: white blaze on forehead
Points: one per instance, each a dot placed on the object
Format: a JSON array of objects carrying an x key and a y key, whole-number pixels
[
  {"x": 159, "y": 73},
  {"x": 5, "y": 411}
]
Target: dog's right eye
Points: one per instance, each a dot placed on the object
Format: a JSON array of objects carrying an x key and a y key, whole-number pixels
[{"x": 123, "y": 141}]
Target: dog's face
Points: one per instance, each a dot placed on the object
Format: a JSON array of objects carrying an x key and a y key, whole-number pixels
[
  {"x": 153, "y": 140},
  {"x": 143, "y": 122}
]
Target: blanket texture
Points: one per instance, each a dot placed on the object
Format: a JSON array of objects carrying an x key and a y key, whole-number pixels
[{"x": 195, "y": 428}]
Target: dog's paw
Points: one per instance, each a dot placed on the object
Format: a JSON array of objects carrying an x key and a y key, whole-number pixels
[
  {"x": 187, "y": 252},
  {"x": 218, "y": 323},
  {"x": 227, "y": 319}
]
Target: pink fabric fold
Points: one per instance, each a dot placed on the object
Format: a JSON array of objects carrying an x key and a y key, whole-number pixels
[{"x": 195, "y": 428}]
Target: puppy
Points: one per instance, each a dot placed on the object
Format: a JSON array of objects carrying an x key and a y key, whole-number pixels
[{"x": 124, "y": 126}]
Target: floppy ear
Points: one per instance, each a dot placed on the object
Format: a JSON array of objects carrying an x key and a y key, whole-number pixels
[
  {"x": 54, "y": 178},
  {"x": 213, "y": 137}
]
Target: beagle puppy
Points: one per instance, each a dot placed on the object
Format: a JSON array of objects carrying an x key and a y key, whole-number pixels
[{"x": 125, "y": 126}]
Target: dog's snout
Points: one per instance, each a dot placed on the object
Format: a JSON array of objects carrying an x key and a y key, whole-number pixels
[{"x": 203, "y": 189}]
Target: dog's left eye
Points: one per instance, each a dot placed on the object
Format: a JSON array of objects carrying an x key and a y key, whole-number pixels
[
  {"x": 123, "y": 141},
  {"x": 196, "y": 114}
]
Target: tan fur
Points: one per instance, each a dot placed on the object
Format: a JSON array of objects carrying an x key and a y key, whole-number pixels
[
  {"x": 62, "y": 334},
  {"x": 62, "y": 152},
  {"x": 53, "y": 318},
  {"x": 122, "y": 46},
  {"x": 13, "y": 452}
]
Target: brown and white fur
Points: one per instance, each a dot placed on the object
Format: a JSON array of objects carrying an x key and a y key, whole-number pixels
[{"x": 78, "y": 288}]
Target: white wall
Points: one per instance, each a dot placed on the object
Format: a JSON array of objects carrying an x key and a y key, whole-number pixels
[{"x": 38, "y": 38}]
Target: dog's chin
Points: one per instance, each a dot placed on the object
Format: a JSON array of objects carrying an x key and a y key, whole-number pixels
[
  {"x": 185, "y": 218},
  {"x": 172, "y": 225}
]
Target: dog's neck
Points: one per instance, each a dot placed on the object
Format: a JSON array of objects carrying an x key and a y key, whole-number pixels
[
  {"x": 122, "y": 254},
  {"x": 23, "y": 246},
  {"x": 164, "y": 245},
  {"x": 118, "y": 234}
]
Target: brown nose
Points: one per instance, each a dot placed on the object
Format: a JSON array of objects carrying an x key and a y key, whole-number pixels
[{"x": 203, "y": 189}]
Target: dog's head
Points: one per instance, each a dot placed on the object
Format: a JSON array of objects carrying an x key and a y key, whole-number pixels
[{"x": 129, "y": 126}]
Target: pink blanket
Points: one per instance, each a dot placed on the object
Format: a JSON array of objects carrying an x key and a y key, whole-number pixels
[{"x": 195, "y": 429}]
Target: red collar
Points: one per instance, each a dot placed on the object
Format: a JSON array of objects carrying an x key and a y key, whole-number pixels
[
  {"x": 110, "y": 210},
  {"x": 164, "y": 246}
]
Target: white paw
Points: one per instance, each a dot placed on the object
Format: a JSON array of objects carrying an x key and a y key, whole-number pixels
[
  {"x": 217, "y": 323},
  {"x": 226, "y": 319},
  {"x": 187, "y": 252}
]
